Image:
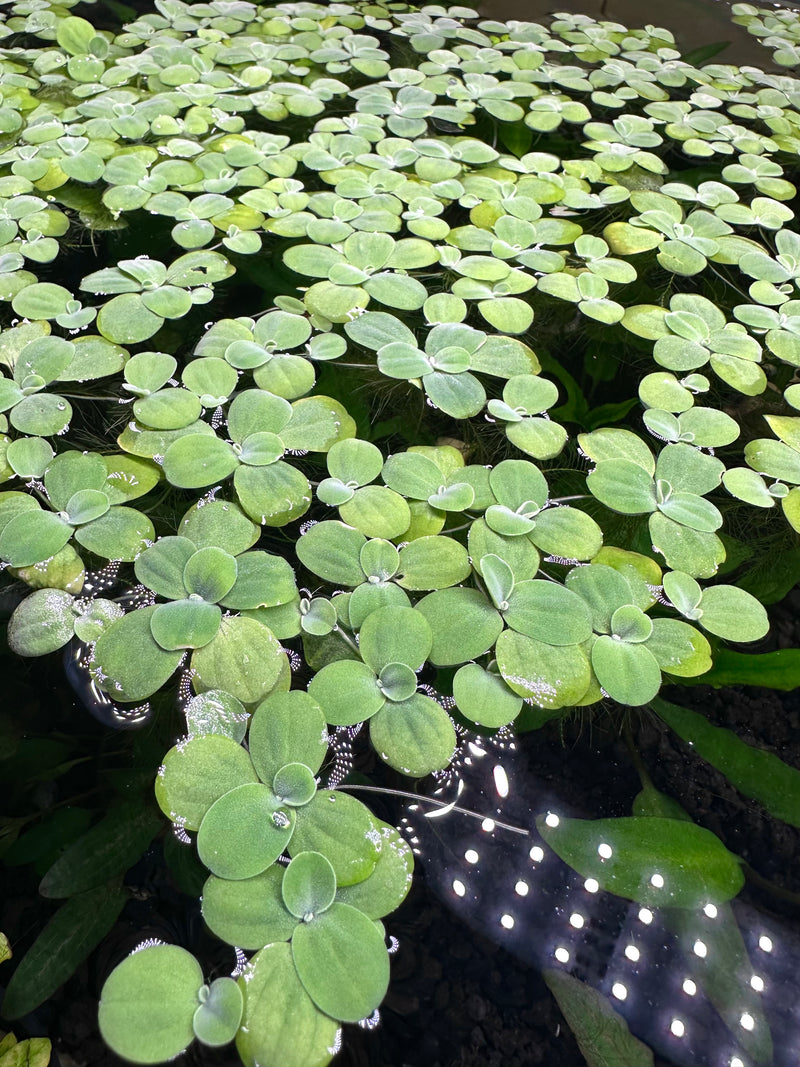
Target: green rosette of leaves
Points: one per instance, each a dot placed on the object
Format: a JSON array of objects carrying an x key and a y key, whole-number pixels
[
  {"x": 670, "y": 489},
  {"x": 156, "y": 1002},
  {"x": 446, "y": 367},
  {"x": 86, "y": 493},
  {"x": 409, "y": 730},
  {"x": 234, "y": 653},
  {"x": 263, "y": 428},
  {"x": 346, "y": 871}
]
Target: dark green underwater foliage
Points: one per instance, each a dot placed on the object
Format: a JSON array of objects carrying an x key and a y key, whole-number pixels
[{"x": 445, "y": 346}]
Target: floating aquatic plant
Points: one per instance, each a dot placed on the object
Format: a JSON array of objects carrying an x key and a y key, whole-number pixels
[{"x": 469, "y": 270}]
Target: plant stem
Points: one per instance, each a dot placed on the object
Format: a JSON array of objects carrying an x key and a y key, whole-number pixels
[
  {"x": 636, "y": 759},
  {"x": 439, "y": 803},
  {"x": 770, "y": 887}
]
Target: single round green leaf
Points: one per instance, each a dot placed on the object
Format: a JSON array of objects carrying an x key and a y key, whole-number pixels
[
  {"x": 567, "y": 532},
  {"x": 623, "y": 486},
  {"x": 628, "y": 672},
  {"x": 294, "y": 784},
  {"x": 376, "y": 511},
  {"x": 342, "y": 829},
  {"x": 219, "y": 1014},
  {"x": 630, "y": 623},
  {"x": 244, "y": 658},
  {"x": 220, "y": 523},
  {"x": 281, "y": 1024},
  {"x": 733, "y": 614},
  {"x": 195, "y": 461},
  {"x": 484, "y": 698},
  {"x": 551, "y": 676},
  {"x": 41, "y": 415},
  {"x": 126, "y": 320},
  {"x": 273, "y": 495},
  {"x": 397, "y": 682},
  {"x": 32, "y": 537},
  {"x": 388, "y": 885},
  {"x": 287, "y": 728},
  {"x": 433, "y": 562},
  {"x": 679, "y": 649},
  {"x": 216, "y": 712},
  {"x": 395, "y": 635},
  {"x": 244, "y": 831},
  {"x": 161, "y": 566},
  {"x": 342, "y": 962},
  {"x": 548, "y": 612},
  {"x": 347, "y": 691},
  {"x": 331, "y": 550},
  {"x": 249, "y": 913},
  {"x": 198, "y": 772},
  {"x": 168, "y": 409},
  {"x": 128, "y": 663},
  {"x": 463, "y": 623},
  {"x": 189, "y": 623},
  {"x": 29, "y": 456},
  {"x": 41, "y": 623},
  {"x": 309, "y": 885},
  {"x": 210, "y": 573},
  {"x": 353, "y": 460},
  {"x": 415, "y": 736}
]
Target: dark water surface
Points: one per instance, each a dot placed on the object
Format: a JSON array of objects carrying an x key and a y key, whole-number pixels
[{"x": 693, "y": 22}]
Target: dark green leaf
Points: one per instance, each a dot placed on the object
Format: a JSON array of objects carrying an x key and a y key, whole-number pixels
[{"x": 75, "y": 929}]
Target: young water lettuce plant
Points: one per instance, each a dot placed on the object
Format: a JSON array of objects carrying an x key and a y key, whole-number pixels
[{"x": 532, "y": 267}]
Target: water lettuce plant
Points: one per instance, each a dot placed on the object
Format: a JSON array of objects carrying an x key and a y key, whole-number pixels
[{"x": 426, "y": 381}]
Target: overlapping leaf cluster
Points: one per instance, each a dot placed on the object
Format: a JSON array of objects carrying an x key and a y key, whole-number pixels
[{"x": 413, "y": 203}]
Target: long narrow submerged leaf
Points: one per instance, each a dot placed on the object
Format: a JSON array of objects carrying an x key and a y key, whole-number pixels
[
  {"x": 75, "y": 929},
  {"x": 724, "y": 971},
  {"x": 772, "y": 670},
  {"x": 602, "y": 1034},
  {"x": 756, "y": 773},
  {"x": 107, "y": 850},
  {"x": 663, "y": 863}
]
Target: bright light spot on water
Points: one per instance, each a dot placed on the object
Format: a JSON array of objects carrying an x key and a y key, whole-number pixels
[
  {"x": 657, "y": 881},
  {"x": 591, "y": 885},
  {"x": 619, "y": 991},
  {"x": 699, "y": 949},
  {"x": 488, "y": 825},
  {"x": 562, "y": 955},
  {"x": 747, "y": 1022},
  {"x": 736, "y": 1062},
  {"x": 632, "y": 952},
  {"x": 757, "y": 983},
  {"x": 471, "y": 856},
  {"x": 459, "y": 888},
  {"x": 507, "y": 921},
  {"x": 677, "y": 1027},
  {"x": 500, "y": 781},
  {"x": 551, "y": 819},
  {"x": 521, "y": 888},
  {"x": 645, "y": 916},
  {"x": 711, "y": 910},
  {"x": 576, "y": 920},
  {"x": 605, "y": 851},
  {"x": 765, "y": 943},
  {"x": 689, "y": 987},
  {"x": 536, "y": 854}
]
